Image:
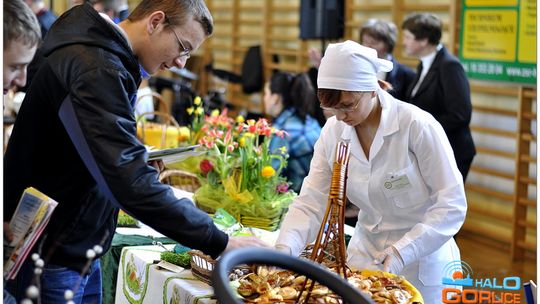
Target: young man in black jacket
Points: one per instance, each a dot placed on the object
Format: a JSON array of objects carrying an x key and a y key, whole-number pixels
[{"x": 75, "y": 140}]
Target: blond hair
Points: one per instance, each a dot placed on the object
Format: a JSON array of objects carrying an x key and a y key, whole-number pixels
[{"x": 20, "y": 23}]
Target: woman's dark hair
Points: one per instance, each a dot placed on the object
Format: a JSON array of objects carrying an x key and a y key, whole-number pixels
[
  {"x": 295, "y": 91},
  {"x": 424, "y": 26},
  {"x": 331, "y": 97}
]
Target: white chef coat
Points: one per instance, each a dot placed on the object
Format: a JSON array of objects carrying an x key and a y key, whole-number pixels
[{"x": 410, "y": 194}]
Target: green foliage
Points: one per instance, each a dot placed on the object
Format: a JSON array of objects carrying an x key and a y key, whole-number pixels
[{"x": 180, "y": 259}]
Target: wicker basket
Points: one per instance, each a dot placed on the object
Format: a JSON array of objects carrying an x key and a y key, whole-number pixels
[
  {"x": 202, "y": 266},
  {"x": 270, "y": 224},
  {"x": 180, "y": 179},
  {"x": 161, "y": 135},
  {"x": 204, "y": 208}
]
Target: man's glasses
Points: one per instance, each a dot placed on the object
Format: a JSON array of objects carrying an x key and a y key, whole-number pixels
[
  {"x": 184, "y": 51},
  {"x": 344, "y": 110}
]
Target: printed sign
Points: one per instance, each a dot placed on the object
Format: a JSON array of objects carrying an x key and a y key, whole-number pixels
[{"x": 498, "y": 40}]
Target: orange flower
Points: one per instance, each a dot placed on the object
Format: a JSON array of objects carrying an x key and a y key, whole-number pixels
[{"x": 268, "y": 172}]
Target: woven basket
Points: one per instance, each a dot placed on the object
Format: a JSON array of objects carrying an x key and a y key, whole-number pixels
[
  {"x": 270, "y": 224},
  {"x": 161, "y": 135},
  {"x": 202, "y": 266},
  {"x": 180, "y": 179},
  {"x": 204, "y": 208}
]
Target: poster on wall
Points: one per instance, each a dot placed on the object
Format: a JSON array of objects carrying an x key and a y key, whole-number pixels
[{"x": 498, "y": 40}]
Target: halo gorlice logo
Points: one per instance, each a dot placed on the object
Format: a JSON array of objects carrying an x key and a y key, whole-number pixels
[{"x": 482, "y": 290}]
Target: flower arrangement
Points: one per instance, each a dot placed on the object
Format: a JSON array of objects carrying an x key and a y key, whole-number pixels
[{"x": 239, "y": 173}]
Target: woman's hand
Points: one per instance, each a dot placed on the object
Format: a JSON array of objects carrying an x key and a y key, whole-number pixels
[
  {"x": 245, "y": 241},
  {"x": 391, "y": 260}
]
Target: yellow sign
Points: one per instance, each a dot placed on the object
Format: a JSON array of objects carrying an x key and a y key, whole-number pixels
[
  {"x": 527, "y": 32},
  {"x": 491, "y": 2},
  {"x": 490, "y": 34}
]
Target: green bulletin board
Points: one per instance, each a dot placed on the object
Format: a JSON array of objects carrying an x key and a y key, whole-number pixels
[{"x": 498, "y": 40}]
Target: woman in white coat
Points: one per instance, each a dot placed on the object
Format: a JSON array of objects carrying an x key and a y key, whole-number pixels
[{"x": 402, "y": 176}]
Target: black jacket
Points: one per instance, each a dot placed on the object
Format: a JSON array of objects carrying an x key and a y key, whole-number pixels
[
  {"x": 445, "y": 94},
  {"x": 400, "y": 77},
  {"x": 90, "y": 71}
]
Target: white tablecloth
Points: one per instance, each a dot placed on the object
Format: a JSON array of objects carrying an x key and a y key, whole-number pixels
[{"x": 140, "y": 281}]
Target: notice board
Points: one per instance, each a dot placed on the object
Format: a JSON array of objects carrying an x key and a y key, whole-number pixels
[{"x": 498, "y": 40}]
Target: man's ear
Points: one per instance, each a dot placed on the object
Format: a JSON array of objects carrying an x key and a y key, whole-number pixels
[{"x": 155, "y": 19}]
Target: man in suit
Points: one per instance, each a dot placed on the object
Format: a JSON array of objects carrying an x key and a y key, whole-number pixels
[
  {"x": 441, "y": 86},
  {"x": 382, "y": 36}
]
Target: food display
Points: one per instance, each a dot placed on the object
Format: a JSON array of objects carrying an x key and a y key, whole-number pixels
[{"x": 273, "y": 285}]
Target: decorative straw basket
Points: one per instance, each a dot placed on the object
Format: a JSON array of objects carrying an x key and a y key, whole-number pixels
[{"x": 202, "y": 266}]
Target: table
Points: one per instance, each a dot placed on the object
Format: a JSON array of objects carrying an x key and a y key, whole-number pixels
[
  {"x": 128, "y": 237},
  {"x": 111, "y": 259},
  {"x": 141, "y": 281}
]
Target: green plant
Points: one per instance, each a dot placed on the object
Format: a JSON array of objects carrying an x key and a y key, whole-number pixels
[
  {"x": 180, "y": 259},
  {"x": 240, "y": 172}
]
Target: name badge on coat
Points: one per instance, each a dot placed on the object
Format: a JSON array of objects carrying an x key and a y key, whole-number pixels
[{"x": 396, "y": 184}]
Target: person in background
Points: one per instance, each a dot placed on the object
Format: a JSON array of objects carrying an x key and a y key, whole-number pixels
[
  {"x": 22, "y": 35},
  {"x": 402, "y": 175},
  {"x": 382, "y": 36},
  {"x": 107, "y": 7},
  {"x": 45, "y": 17},
  {"x": 441, "y": 86},
  {"x": 75, "y": 140},
  {"x": 122, "y": 10},
  {"x": 290, "y": 100}
]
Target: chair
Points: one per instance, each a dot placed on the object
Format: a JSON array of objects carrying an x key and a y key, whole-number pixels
[
  {"x": 180, "y": 179},
  {"x": 220, "y": 275},
  {"x": 251, "y": 77}
]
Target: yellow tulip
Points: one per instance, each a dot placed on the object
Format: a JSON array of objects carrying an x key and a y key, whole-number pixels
[
  {"x": 215, "y": 113},
  {"x": 199, "y": 111},
  {"x": 197, "y": 101},
  {"x": 268, "y": 172},
  {"x": 190, "y": 110},
  {"x": 242, "y": 141},
  {"x": 240, "y": 119}
]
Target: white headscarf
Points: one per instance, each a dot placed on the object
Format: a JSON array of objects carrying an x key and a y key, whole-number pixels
[{"x": 349, "y": 66}]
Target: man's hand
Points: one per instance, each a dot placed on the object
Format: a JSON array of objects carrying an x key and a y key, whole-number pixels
[
  {"x": 245, "y": 241},
  {"x": 8, "y": 235},
  {"x": 157, "y": 164},
  {"x": 315, "y": 57}
]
